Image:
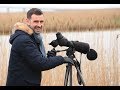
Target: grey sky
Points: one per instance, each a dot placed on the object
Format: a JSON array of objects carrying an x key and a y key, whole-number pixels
[{"x": 18, "y": 7}]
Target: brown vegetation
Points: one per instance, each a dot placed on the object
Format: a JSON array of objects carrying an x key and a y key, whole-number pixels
[{"x": 73, "y": 20}]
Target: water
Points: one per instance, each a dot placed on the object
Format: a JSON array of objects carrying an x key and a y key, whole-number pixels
[{"x": 102, "y": 71}]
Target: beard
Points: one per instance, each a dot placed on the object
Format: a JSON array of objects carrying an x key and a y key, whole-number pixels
[{"x": 38, "y": 29}]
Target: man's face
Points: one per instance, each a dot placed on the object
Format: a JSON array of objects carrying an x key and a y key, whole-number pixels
[{"x": 36, "y": 23}]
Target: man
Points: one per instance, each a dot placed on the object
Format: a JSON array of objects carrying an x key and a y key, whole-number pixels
[{"x": 27, "y": 57}]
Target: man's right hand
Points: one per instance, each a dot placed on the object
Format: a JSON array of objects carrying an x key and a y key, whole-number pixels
[{"x": 68, "y": 60}]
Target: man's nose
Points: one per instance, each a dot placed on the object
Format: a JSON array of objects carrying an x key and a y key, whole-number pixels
[{"x": 39, "y": 24}]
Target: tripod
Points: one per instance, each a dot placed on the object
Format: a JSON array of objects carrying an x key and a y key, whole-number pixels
[{"x": 68, "y": 74}]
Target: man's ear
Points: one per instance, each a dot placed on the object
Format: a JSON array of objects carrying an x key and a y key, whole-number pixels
[{"x": 27, "y": 21}]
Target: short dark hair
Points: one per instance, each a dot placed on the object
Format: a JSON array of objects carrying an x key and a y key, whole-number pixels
[{"x": 35, "y": 11}]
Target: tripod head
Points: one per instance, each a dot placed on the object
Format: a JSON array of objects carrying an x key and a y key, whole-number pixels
[{"x": 69, "y": 52}]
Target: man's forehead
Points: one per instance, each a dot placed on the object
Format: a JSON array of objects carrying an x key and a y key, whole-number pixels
[{"x": 37, "y": 16}]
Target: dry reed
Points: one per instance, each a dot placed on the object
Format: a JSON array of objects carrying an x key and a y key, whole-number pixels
[{"x": 79, "y": 20}]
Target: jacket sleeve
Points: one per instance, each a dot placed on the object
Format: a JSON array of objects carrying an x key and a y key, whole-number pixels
[{"x": 33, "y": 57}]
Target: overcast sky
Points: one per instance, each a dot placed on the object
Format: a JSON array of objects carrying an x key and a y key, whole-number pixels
[{"x": 58, "y": 6}]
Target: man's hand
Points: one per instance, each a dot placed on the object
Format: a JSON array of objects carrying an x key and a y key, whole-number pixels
[
  {"x": 51, "y": 53},
  {"x": 68, "y": 60}
]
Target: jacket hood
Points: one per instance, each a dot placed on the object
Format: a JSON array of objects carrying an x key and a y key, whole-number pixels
[
  {"x": 23, "y": 27},
  {"x": 19, "y": 29}
]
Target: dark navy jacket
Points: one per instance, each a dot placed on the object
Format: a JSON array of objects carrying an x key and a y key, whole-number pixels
[{"x": 26, "y": 61}]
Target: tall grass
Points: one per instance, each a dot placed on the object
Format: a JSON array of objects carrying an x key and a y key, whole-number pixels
[{"x": 81, "y": 20}]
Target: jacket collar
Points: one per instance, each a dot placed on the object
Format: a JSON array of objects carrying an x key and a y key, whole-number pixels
[{"x": 23, "y": 27}]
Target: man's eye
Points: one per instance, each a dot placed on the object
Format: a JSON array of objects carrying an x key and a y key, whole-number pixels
[
  {"x": 36, "y": 21},
  {"x": 41, "y": 21}
]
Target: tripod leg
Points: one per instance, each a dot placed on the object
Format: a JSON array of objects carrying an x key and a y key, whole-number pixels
[
  {"x": 68, "y": 75},
  {"x": 80, "y": 76},
  {"x": 70, "y": 78}
]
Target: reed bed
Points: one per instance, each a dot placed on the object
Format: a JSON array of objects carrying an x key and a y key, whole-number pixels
[{"x": 74, "y": 20}]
